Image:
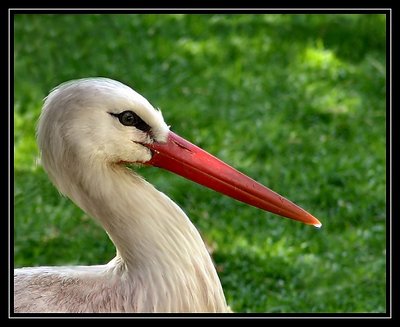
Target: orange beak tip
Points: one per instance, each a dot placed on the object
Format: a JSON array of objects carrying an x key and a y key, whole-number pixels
[{"x": 316, "y": 223}]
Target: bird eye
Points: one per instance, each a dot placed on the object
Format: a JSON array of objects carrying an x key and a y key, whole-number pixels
[{"x": 129, "y": 118}]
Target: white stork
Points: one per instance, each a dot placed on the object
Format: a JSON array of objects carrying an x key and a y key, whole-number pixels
[{"x": 89, "y": 130}]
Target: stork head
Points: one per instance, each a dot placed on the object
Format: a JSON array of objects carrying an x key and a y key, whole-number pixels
[
  {"x": 101, "y": 122},
  {"x": 98, "y": 120}
]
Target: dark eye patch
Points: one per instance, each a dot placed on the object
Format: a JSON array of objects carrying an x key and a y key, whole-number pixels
[{"x": 129, "y": 118}]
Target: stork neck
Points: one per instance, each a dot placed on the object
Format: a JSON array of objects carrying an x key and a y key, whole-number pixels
[
  {"x": 156, "y": 242},
  {"x": 136, "y": 215}
]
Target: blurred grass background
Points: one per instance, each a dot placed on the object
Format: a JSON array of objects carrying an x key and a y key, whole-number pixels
[{"x": 297, "y": 101}]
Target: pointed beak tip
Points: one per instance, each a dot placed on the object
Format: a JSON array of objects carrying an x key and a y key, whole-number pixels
[
  {"x": 318, "y": 225},
  {"x": 315, "y": 222}
]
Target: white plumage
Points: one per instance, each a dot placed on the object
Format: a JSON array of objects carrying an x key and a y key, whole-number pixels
[{"x": 161, "y": 262}]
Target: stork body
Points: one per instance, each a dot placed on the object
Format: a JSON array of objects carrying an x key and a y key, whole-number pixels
[{"x": 88, "y": 130}]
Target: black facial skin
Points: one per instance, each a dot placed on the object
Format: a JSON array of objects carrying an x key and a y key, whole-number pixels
[{"x": 129, "y": 118}]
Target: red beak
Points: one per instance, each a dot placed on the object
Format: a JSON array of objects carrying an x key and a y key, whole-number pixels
[{"x": 186, "y": 159}]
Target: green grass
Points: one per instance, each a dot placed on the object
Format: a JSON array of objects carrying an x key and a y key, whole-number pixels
[{"x": 295, "y": 101}]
